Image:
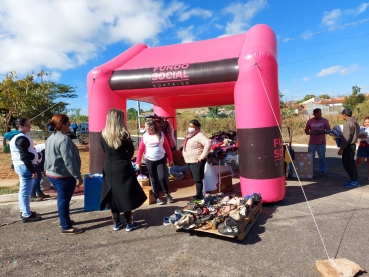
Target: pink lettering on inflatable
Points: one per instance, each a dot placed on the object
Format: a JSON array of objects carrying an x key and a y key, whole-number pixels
[
  {"x": 170, "y": 72},
  {"x": 278, "y": 151}
]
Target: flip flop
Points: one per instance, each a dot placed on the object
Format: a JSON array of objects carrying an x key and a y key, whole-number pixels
[{"x": 74, "y": 231}]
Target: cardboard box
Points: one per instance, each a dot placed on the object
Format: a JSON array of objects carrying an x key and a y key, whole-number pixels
[
  {"x": 145, "y": 183},
  {"x": 304, "y": 165},
  {"x": 150, "y": 196}
]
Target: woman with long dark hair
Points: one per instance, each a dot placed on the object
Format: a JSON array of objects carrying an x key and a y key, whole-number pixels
[
  {"x": 196, "y": 147},
  {"x": 63, "y": 168},
  {"x": 156, "y": 148},
  {"x": 121, "y": 190}
]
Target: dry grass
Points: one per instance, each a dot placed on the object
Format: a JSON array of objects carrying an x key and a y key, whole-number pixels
[{"x": 211, "y": 125}]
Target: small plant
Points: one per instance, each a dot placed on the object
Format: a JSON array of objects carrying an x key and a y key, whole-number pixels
[{"x": 6, "y": 148}]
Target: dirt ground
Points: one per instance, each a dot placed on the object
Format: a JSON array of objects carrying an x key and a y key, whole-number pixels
[{"x": 7, "y": 173}]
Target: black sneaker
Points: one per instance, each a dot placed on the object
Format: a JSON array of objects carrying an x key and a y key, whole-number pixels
[
  {"x": 159, "y": 201},
  {"x": 169, "y": 198},
  {"x": 32, "y": 213},
  {"x": 32, "y": 218}
]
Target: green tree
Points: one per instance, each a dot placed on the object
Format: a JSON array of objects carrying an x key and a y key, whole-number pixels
[
  {"x": 229, "y": 108},
  {"x": 31, "y": 97},
  {"x": 324, "y": 96},
  {"x": 75, "y": 115},
  {"x": 307, "y": 97},
  {"x": 354, "y": 99},
  {"x": 132, "y": 114},
  {"x": 213, "y": 111},
  {"x": 282, "y": 103}
]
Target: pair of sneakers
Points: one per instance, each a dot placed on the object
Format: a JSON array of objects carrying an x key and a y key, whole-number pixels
[
  {"x": 129, "y": 226},
  {"x": 352, "y": 184},
  {"x": 161, "y": 202}
]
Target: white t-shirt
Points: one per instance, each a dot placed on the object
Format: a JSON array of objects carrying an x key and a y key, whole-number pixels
[{"x": 154, "y": 149}]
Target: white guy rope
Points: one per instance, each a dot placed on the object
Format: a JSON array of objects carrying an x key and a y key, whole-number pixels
[{"x": 303, "y": 191}]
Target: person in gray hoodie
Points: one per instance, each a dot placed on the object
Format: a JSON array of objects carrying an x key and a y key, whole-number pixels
[
  {"x": 349, "y": 138},
  {"x": 63, "y": 168}
]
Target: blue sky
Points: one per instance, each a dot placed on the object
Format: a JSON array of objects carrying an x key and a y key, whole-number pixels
[{"x": 323, "y": 45}]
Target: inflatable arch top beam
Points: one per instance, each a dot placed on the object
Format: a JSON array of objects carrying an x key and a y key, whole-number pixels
[{"x": 240, "y": 70}]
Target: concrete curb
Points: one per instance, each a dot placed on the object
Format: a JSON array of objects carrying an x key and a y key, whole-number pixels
[{"x": 7, "y": 198}]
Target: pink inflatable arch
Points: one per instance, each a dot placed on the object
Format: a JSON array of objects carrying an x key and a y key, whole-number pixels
[{"x": 240, "y": 69}]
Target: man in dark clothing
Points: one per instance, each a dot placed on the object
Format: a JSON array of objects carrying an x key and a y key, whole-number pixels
[{"x": 349, "y": 138}]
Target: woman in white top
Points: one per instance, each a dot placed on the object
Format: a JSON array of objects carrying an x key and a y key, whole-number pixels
[
  {"x": 156, "y": 148},
  {"x": 24, "y": 157}
]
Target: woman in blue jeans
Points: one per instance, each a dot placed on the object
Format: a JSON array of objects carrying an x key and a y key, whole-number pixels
[
  {"x": 24, "y": 157},
  {"x": 63, "y": 168}
]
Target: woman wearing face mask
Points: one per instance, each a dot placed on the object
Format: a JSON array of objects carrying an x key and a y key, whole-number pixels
[
  {"x": 155, "y": 145},
  {"x": 196, "y": 147}
]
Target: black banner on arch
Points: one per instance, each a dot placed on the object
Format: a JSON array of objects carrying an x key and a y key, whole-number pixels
[
  {"x": 261, "y": 153},
  {"x": 176, "y": 75}
]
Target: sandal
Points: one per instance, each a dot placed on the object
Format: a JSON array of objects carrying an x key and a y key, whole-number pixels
[{"x": 73, "y": 231}]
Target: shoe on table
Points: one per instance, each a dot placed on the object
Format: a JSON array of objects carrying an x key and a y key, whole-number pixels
[
  {"x": 159, "y": 201},
  {"x": 169, "y": 198},
  {"x": 43, "y": 195},
  {"x": 32, "y": 218},
  {"x": 352, "y": 184},
  {"x": 133, "y": 225},
  {"x": 34, "y": 198},
  {"x": 117, "y": 225}
]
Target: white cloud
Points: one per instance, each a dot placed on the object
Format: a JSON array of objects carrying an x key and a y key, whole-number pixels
[
  {"x": 362, "y": 8},
  {"x": 186, "y": 35},
  {"x": 338, "y": 69},
  {"x": 330, "y": 18},
  {"x": 359, "y": 9},
  {"x": 349, "y": 70},
  {"x": 242, "y": 15},
  {"x": 195, "y": 12},
  {"x": 329, "y": 71},
  {"x": 54, "y": 76},
  {"x": 305, "y": 79},
  {"x": 218, "y": 26},
  {"x": 60, "y": 35},
  {"x": 286, "y": 91}
]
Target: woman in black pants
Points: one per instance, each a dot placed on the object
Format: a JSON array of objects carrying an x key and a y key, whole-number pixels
[
  {"x": 196, "y": 148},
  {"x": 156, "y": 148}
]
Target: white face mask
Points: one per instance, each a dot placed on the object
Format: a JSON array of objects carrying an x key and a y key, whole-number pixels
[{"x": 191, "y": 130}]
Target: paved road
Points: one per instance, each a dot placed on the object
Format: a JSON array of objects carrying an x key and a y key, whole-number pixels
[{"x": 283, "y": 242}]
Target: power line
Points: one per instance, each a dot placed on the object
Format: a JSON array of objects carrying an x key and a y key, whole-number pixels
[
  {"x": 323, "y": 43},
  {"x": 324, "y": 31},
  {"x": 325, "y": 55}
]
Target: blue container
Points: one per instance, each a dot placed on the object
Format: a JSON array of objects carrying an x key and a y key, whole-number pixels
[
  {"x": 93, "y": 186},
  {"x": 338, "y": 142}
]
